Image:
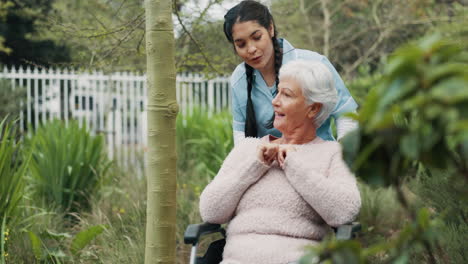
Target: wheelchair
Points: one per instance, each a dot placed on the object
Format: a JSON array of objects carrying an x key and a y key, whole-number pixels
[{"x": 214, "y": 253}]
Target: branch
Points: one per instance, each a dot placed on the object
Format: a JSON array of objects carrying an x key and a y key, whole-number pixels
[
  {"x": 368, "y": 52},
  {"x": 326, "y": 27},
  {"x": 345, "y": 42},
  {"x": 123, "y": 39},
  {"x": 304, "y": 11},
  {"x": 194, "y": 41},
  {"x": 118, "y": 9}
]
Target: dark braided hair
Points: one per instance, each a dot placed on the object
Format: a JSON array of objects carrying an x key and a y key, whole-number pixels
[{"x": 250, "y": 10}]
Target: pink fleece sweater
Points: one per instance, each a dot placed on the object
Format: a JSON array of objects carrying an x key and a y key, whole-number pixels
[{"x": 274, "y": 213}]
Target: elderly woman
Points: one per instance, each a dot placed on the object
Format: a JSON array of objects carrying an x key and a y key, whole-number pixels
[{"x": 282, "y": 194}]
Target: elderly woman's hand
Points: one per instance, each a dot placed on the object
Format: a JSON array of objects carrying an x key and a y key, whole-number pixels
[
  {"x": 267, "y": 152},
  {"x": 283, "y": 152}
]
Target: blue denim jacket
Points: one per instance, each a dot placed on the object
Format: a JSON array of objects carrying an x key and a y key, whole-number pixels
[{"x": 262, "y": 95}]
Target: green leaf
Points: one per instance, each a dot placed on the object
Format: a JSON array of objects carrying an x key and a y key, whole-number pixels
[
  {"x": 351, "y": 143},
  {"x": 57, "y": 236},
  {"x": 403, "y": 259},
  {"x": 36, "y": 245},
  {"x": 2, "y": 240},
  {"x": 396, "y": 90},
  {"x": 446, "y": 70},
  {"x": 68, "y": 165},
  {"x": 410, "y": 146},
  {"x": 56, "y": 255},
  {"x": 83, "y": 238},
  {"x": 451, "y": 91}
]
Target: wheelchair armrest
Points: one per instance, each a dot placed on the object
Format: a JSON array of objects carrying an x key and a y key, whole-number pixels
[
  {"x": 195, "y": 231},
  {"x": 348, "y": 231}
]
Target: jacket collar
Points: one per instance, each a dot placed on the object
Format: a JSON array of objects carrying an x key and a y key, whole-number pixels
[{"x": 287, "y": 47}]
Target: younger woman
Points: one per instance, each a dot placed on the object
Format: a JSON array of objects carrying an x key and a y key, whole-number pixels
[{"x": 250, "y": 27}]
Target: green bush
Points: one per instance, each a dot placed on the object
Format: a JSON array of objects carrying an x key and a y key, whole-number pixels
[
  {"x": 416, "y": 116},
  {"x": 203, "y": 141},
  {"x": 68, "y": 165},
  {"x": 365, "y": 81}
]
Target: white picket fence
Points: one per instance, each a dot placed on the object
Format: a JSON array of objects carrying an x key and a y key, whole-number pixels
[{"x": 113, "y": 105}]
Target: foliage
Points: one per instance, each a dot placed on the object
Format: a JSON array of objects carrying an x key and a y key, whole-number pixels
[
  {"x": 456, "y": 29},
  {"x": 60, "y": 252},
  {"x": 443, "y": 193},
  {"x": 3, "y": 235},
  {"x": 203, "y": 141},
  {"x": 21, "y": 41},
  {"x": 210, "y": 43},
  {"x": 9, "y": 100},
  {"x": 68, "y": 165},
  {"x": 363, "y": 83},
  {"x": 398, "y": 250},
  {"x": 381, "y": 215},
  {"x": 418, "y": 111},
  {"x": 415, "y": 116},
  {"x": 12, "y": 170},
  {"x": 110, "y": 35},
  {"x": 355, "y": 32},
  {"x": 122, "y": 208},
  {"x": 4, "y": 9},
  {"x": 106, "y": 35}
]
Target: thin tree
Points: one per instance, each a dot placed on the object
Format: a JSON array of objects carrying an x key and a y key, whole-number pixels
[{"x": 162, "y": 113}]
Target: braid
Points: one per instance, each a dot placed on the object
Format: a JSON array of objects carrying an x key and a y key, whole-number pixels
[
  {"x": 278, "y": 62},
  {"x": 278, "y": 58},
  {"x": 250, "y": 120}
]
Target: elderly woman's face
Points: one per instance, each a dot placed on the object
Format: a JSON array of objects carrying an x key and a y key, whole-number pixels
[{"x": 290, "y": 106}]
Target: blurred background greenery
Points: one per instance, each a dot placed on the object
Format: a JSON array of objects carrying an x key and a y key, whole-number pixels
[{"x": 62, "y": 201}]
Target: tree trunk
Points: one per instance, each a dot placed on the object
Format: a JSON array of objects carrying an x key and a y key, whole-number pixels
[{"x": 162, "y": 113}]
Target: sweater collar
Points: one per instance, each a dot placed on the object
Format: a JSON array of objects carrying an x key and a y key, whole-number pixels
[{"x": 317, "y": 140}]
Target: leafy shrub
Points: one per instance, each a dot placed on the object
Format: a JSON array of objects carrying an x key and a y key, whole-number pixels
[
  {"x": 360, "y": 86},
  {"x": 416, "y": 116},
  {"x": 416, "y": 112},
  {"x": 68, "y": 165}
]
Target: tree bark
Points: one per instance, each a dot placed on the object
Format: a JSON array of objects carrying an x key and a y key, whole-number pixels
[{"x": 162, "y": 113}]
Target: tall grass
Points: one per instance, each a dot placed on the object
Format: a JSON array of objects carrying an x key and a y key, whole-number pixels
[
  {"x": 381, "y": 214},
  {"x": 203, "y": 141},
  {"x": 119, "y": 206},
  {"x": 68, "y": 165},
  {"x": 122, "y": 209},
  {"x": 13, "y": 166}
]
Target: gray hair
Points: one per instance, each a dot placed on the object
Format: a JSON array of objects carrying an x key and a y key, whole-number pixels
[{"x": 317, "y": 84}]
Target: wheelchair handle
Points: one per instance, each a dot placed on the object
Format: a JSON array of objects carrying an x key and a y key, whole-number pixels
[{"x": 195, "y": 231}]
